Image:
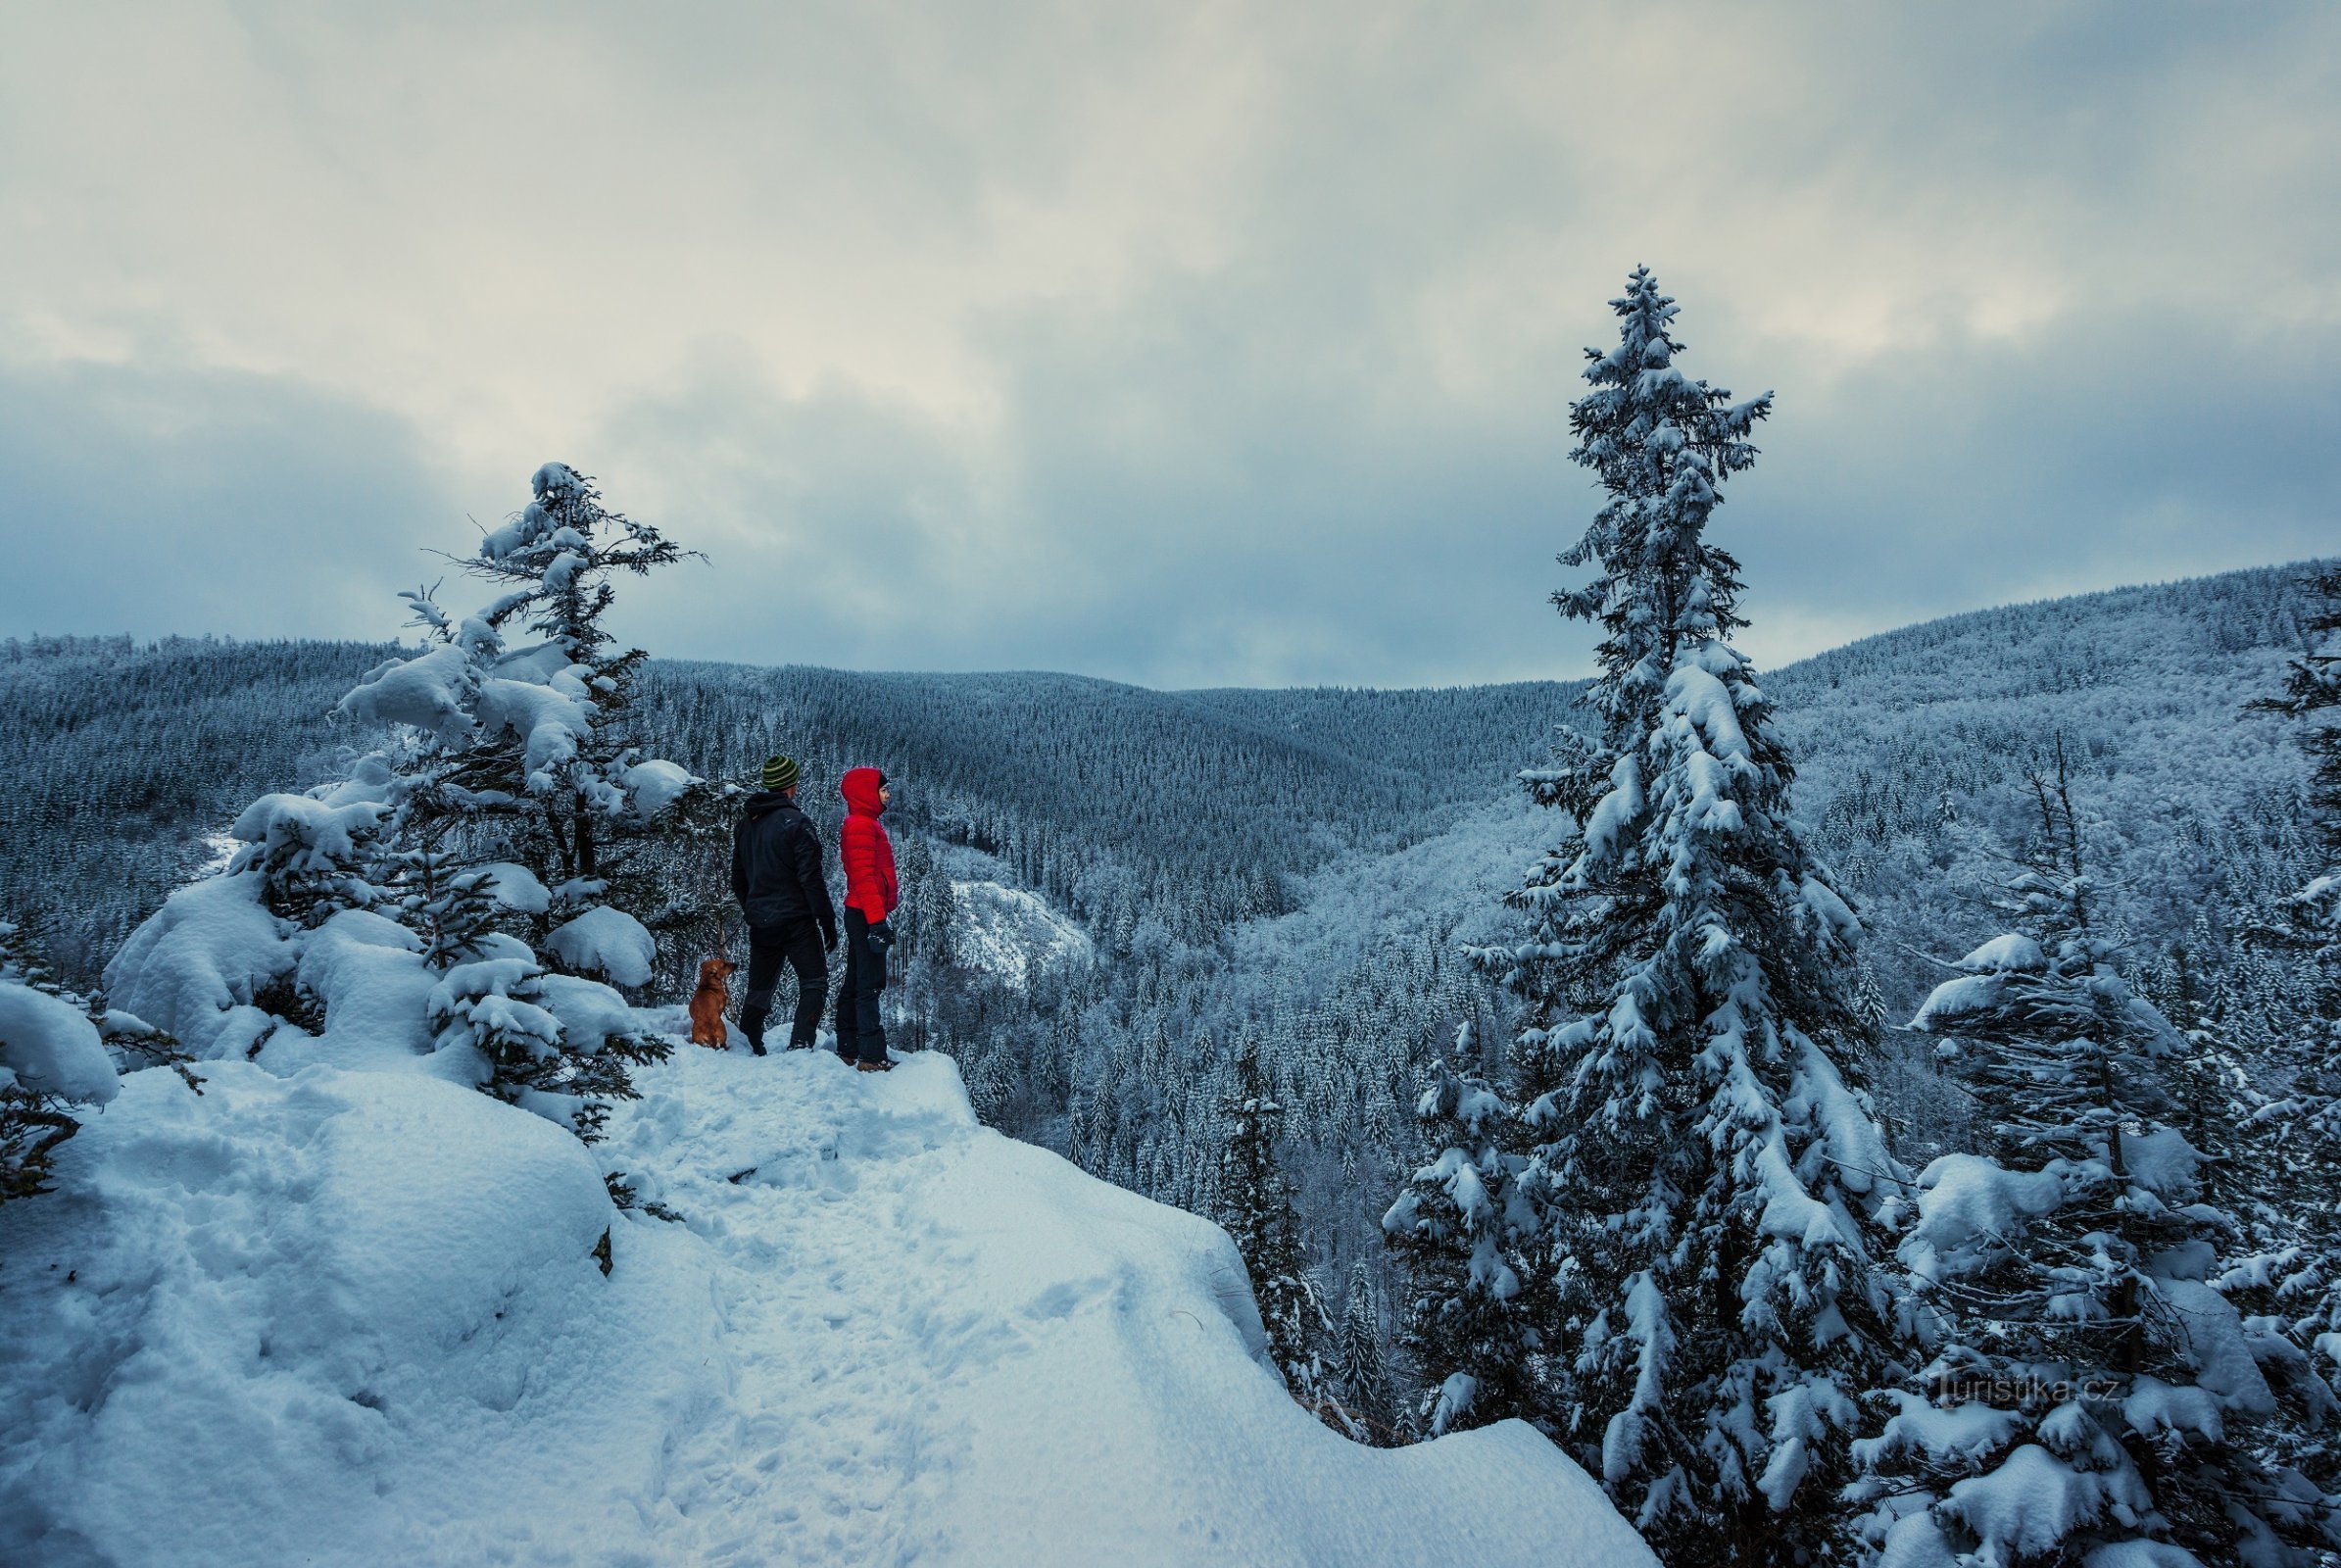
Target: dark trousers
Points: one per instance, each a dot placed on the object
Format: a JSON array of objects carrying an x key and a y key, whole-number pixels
[
  {"x": 799, "y": 944},
  {"x": 861, "y": 1036}
]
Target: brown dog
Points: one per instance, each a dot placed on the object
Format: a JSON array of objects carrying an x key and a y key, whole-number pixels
[{"x": 709, "y": 1001}]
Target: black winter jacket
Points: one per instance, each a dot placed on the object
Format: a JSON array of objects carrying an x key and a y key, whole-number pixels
[{"x": 776, "y": 864}]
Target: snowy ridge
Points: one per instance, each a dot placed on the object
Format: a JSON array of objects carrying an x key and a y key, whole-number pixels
[{"x": 346, "y": 1317}]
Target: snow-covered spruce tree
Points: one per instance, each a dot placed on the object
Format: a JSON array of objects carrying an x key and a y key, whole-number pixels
[
  {"x": 1256, "y": 1211},
  {"x": 1700, "y": 1161},
  {"x": 548, "y": 770},
  {"x": 1359, "y": 1374},
  {"x": 520, "y": 801},
  {"x": 2094, "y": 1400},
  {"x": 1462, "y": 1229}
]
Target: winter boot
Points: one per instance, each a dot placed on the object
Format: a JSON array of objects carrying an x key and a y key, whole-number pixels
[
  {"x": 752, "y": 1024},
  {"x": 874, "y": 1066}
]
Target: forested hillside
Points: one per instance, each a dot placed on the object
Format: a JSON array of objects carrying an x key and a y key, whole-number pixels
[
  {"x": 1290, "y": 873},
  {"x": 124, "y": 758},
  {"x": 1915, "y": 744}
]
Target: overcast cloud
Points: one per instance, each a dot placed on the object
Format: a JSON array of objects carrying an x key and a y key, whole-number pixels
[{"x": 1182, "y": 344}]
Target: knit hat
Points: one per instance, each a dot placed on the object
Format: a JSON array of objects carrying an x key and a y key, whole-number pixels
[{"x": 780, "y": 773}]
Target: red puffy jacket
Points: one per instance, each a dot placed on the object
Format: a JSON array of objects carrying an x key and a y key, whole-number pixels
[{"x": 865, "y": 849}]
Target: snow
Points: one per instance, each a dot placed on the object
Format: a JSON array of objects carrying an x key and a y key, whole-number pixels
[
  {"x": 1013, "y": 933},
  {"x": 551, "y": 723},
  {"x": 282, "y": 1314},
  {"x": 656, "y": 785},
  {"x": 2162, "y": 1163},
  {"x": 1615, "y": 810},
  {"x": 2153, "y": 1406},
  {"x": 432, "y": 691},
  {"x": 369, "y": 973},
  {"x": 516, "y": 887},
  {"x": 218, "y": 850},
  {"x": 606, "y": 941},
  {"x": 1955, "y": 999},
  {"x": 1966, "y": 1200},
  {"x": 349, "y": 1317},
  {"x": 2032, "y": 1502},
  {"x": 1695, "y": 694},
  {"x": 194, "y": 965},
  {"x": 1833, "y": 912},
  {"x": 1965, "y": 1431},
  {"x": 315, "y": 835},
  {"x": 2002, "y": 954},
  {"x": 49, "y": 1043},
  {"x": 2219, "y": 1344}
]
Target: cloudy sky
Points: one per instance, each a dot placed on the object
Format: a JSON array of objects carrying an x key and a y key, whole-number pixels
[{"x": 1184, "y": 344}]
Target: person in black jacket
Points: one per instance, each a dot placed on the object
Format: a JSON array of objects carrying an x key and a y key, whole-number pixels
[{"x": 777, "y": 877}]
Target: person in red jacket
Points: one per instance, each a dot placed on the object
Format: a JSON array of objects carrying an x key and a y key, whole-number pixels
[{"x": 871, "y": 896}]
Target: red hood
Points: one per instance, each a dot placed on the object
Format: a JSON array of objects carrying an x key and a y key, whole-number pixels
[{"x": 859, "y": 787}]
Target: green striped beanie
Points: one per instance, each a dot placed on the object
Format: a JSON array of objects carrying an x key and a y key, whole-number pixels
[{"x": 780, "y": 773}]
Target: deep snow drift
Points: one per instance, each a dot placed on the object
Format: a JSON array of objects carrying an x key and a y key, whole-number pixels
[{"x": 347, "y": 1317}]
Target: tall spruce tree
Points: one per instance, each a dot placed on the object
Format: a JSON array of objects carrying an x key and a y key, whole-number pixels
[
  {"x": 1359, "y": 1372},
  {"x": 1701, "y": 1162},
  {"x": 1257, "y": 1209},
  {"x": 2094, "y": 1400},
  {"x": 552, "y": 760}
]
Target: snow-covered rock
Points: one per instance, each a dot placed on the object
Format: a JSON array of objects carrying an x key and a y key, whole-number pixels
[
  {"x": 352, "y": 1317},
  {"x": 1013, "y": 933}
]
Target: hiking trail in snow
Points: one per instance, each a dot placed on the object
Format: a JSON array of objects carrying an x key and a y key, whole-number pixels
[{"x": 348, "y": 1317}]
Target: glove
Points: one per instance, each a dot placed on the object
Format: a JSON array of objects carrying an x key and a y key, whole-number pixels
[
  {"x": 829, "y": 939},
  {"x": 882, "y": 936}
]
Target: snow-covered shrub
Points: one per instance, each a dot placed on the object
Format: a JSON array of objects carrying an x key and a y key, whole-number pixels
[
  {"x": 59, "y": 1049},
  {"x": 51, "y": 1058},
  {"x": 310, "y": 852},
  {"x": 2094, "y": 1396}
]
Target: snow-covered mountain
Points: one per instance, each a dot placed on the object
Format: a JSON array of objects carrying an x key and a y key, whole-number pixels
[
  {"x": 355, "y": 1317},
  {"x": 1139, "y": 883}
]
